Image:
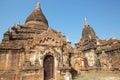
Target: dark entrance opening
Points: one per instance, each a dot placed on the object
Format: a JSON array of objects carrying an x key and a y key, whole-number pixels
[{"x": 48, "y": 67}]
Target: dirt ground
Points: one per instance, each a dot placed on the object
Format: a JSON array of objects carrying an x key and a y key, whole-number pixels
[{"x": 98, "y": 76}]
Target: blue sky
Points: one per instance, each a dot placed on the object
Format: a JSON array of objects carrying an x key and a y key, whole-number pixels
[{"x": 66, "y": 16}]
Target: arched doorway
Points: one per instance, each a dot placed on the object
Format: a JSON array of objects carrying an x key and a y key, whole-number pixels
[{"x": 48, "y": 67}]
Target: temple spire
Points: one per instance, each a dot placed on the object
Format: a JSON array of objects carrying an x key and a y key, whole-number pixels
[
  {"x": 36, "y": 16},
  {"x": 37, "y": 6},
  {"x": 86, "y": 22}
]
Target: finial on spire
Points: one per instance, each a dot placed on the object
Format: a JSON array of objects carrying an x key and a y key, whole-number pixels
[
  {"x": 37, "y": 6},
  {"x": 19, "y": 23},
  {"x": 86, "y": 22},
  {"x": 9, "y": 29},
  {"x": 85, "y": 19}
]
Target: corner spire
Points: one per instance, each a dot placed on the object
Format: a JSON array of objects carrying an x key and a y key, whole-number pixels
[
  {"x": 37, "y": 6},
  {"x": 9, "y": 29},
  {"x": 86, "y": 22}
]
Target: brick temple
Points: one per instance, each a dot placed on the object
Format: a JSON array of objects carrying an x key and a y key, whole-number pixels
[{"x": 34, "y": 51}]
